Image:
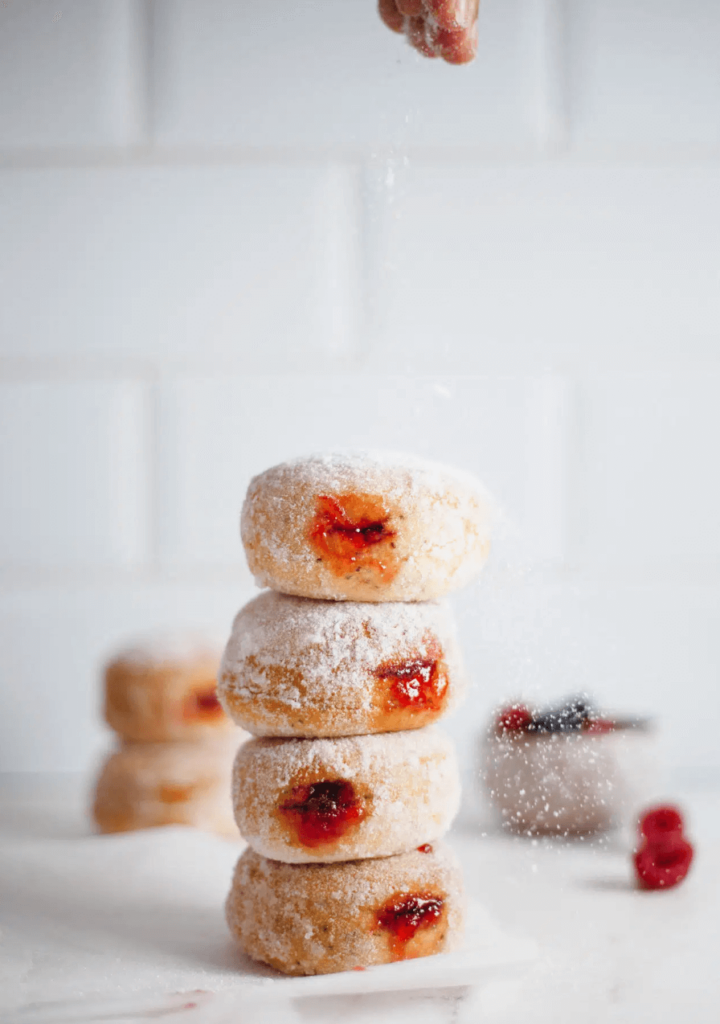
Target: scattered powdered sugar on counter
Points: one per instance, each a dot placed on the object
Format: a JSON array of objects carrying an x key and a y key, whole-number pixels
[{"x": 115, "y": 927}]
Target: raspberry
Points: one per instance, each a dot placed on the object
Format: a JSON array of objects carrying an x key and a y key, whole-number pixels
[
  {"x": 665, "y": 856},
  {"x": 514, "y": 718},
  {"x": 663, "y": 868},
  {"x": 660, "y": 823}
]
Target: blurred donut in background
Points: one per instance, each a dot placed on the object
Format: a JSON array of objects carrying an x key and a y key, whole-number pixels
[
  {"x": 163, "y": 688},
  {"x": 173, "y": 765},
  {"x": 146, "y": 785}
]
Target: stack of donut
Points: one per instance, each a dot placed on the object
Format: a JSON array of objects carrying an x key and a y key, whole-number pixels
[
  {"x": 340, "y": 671},
  {"x": 176, "y": 749}
]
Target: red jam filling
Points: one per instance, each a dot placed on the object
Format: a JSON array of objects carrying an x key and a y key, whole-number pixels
[
  {"x": 425, "y": 848},
  {"x": 175, "y": 794},
  {"x": 203, "y": 704},
  {"x": 407, "y": 913},
  {"x": 419, "y": 684},
  {"x": 322, "y": 812},
  {"x": 350, "y": 532}
]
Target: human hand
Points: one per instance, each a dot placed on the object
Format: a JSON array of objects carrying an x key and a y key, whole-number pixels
[{"x": 436, "y": 28}]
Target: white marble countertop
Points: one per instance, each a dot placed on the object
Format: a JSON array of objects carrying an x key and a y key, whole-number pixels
[{"x": 606, "y": 952}]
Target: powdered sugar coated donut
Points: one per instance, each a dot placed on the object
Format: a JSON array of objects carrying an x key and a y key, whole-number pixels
[
  {"x": 341, "y": 799},
  {"x": 144, "y": 785},
  {"x": 321, "y": 918},
  {"x": 298, "y": 667},
  {"x": 163, "y": 688},
  {"x": 365, "y": 527}
]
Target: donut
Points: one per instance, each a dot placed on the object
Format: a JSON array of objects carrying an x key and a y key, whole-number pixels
[
  {"x": 164, "y": 689},
  {"x": 298, "y": 667},
  {"x": 578, "y": 781},
  {"x": 321, "y": 918},
  {"x": 144, "y": 785},
  {"x": 299, "y": 800},
  {"x": 362, "y": 527}
]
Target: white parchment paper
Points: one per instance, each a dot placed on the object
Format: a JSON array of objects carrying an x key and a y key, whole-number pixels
[{"x": 131, "y": 927}]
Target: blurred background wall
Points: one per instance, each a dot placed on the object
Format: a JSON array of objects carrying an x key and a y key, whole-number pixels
[{"x": 234, "y": 231}]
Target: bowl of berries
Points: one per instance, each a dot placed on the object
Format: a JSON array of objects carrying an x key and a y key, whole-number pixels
[{"x": 565, "y": 769}]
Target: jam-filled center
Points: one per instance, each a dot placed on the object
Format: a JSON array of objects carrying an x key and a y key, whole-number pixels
[
  {"x": 417, "y": 684},
  {"x": 322, "y": 812},
  {"x": 407, "y": 913},
  {"x": 351, "y": 532},
  {"x": 203, "y": 704},
  {"x": 170, "y": 794}
]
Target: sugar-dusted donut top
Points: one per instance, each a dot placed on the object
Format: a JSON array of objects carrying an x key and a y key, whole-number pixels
[
  {"x": 399, "y": 475},
  {"x": 412, "y": 529},
  {"x": 401, "y": 479},
  {"x": 168, "y": 648},
  {"x": 335, "y": 650},
  {"x": 172, "y": 772}
]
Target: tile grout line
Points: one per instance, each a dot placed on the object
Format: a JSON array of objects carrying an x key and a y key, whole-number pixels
[
  {"x": 576, "y": 508},
  {"x": 552, "y": 112},
  {"x": 549, "y": 473},
  {"x": 148, "y": 70},
  {"x": 153, "y": 501},
  {"x": 536, "y": 155},
  {"x": 140, "y": 77},
  {"x": 342, "y": 246}
]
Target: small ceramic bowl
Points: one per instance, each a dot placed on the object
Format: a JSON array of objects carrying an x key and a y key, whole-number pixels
[{"x": 549, "y": 774}]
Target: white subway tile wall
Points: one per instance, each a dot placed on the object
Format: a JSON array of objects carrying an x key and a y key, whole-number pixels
[
  {"x": 71, "y": 73},
  {"x": 518, "y": 268},
  {"x": 315, "y": 73},
  {"x": 644, "y": 74},
  {"x": 168, "y": 263},
  {"x": 75, "y": 476},
  {"x": 647, "y": 473},
  {"x": 231, "y": 233}
]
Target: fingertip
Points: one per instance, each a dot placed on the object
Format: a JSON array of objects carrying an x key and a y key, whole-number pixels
[
  {"x": 410, "y": 8},
  {"x": 452, "y": 14},
  {"x": 418, "y": 36},
  {"x": 443, "y": 13},
  {"x": 391, "y": 15},
  {"x": 457, "y": 47}
]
